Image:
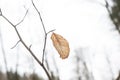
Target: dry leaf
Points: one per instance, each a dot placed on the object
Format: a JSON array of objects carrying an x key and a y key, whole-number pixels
[{"x": 61, "y": 45}]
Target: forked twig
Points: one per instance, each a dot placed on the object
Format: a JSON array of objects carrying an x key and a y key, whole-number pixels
[
  {"x": 46, "y": 33},
  {"x": 45, "y": 38}
]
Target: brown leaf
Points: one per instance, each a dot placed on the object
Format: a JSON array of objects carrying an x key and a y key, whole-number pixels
[{"x": 61, "y": 45}]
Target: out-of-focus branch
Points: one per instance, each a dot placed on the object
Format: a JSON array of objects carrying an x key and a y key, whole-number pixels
[
  {"x": 24, "y": 44},
  {"x": 53, "y": 76},
  {"x": 17, "y": 63},
  {"x": 56, "y": 67},
  {"x": 4, "y": 54},
  {"x": 0, "y": 12},
  {"x": 110, "y": 67},
  {"x": 81, "y": 69},
  {"x": 118, "y": 78},
  {"x": 107, "y": 6},
  {"x": 111, "y": 17}
]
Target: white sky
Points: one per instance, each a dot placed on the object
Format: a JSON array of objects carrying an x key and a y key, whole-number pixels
[{"x": 84, "y": 23}]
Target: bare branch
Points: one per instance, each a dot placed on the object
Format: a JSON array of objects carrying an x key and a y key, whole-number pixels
[
  {"x": 28, "y": 48},
  {"x": 23, "y": 41},
  {"x": 15, "y": 44},
  {"x": 45, "y": 38}
]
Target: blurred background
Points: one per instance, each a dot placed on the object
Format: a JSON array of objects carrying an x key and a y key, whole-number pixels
[{"x": 90, "y": 26}]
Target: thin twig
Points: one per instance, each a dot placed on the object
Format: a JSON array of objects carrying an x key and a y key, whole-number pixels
[
  {"x": 15, "y": 44},
  {"x": 45, "y": 38},
  {"x": 39, "y": 16},
  {"x": 45, "y": 41},
  {"x": 22, "y": 18},
  {"x": 30, "y": 46}
]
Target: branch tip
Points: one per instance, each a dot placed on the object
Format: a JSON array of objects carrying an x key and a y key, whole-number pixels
[
  {"x": 15, "y": 44},
  {"x": 22, "y": 18},
  {"x": 30, "y": 46}
]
